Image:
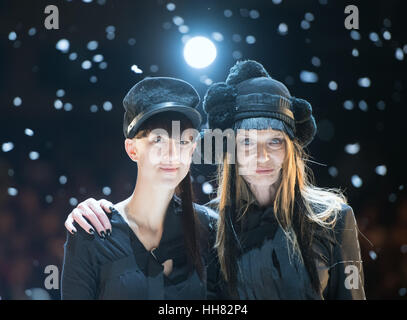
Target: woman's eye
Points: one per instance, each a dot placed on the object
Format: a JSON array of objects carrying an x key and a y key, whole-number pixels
[
  {"x": 246, "y": 141},
  {"x": 157, "y": 139},
  {"x": 185, "y": 142},
  {"x": 276, "y": 141}
]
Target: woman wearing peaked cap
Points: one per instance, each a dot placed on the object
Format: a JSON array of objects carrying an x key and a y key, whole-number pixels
[
  {"x": 278, "y": 236},
  {"x": 156, "y": 246}
]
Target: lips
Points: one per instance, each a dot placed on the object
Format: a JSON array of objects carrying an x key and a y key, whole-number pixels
[
  {"x": 264, "y": 170},
  {"x": 169, "y": 169}
]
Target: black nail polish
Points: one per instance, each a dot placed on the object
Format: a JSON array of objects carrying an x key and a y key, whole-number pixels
[
  {"x": 91, "y": 231},
  {"x": 103, "y": 235},
  {"x": 108, "y": 232},
  {"x": 73, "y": 232},
  {"x": 111, "y": 208}
]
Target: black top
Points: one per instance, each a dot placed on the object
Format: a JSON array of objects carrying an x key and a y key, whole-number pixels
[
  {"x": 268, "y": 272},
  {"x": 119, "y": 267}
]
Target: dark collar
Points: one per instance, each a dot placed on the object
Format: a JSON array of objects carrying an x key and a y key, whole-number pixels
[
  {"x": 257, "y": 215},
  {"x": 171, "y": 245}
]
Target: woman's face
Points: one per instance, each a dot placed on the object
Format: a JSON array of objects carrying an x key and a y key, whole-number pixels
[
  {"x": 260, "y": 155},
  {"x": 162, "y": 159}
]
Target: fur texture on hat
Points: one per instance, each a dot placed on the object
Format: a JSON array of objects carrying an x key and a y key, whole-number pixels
[
  {"x": 155, "y": 90},
  {"x": 219, "y": 104}
]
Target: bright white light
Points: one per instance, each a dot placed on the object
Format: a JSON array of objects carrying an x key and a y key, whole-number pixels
[
  {"x": 282, "y": 28},
  {"x": 399, "y": 54},
  {"x": 106, "y": 191},
  {"x": 364, "y": 82},
  {"x": 348, "y": 105},
  {"x": 63, "y": 45},
  {"x": 58, "y": 104},
  {"x": 63, "y": 179},
  {"x": 372, "y": 255},
  {"x": 308, "y": 76},
  {"x": 12, "y": 36},
  {"x": 136, "y": 69},
  {"x": 60, "y": 93},
  {"x": 107, "y": 106},
  {"x": 332, "y": 85},
  {"x": 207, "y": 188},
  {"x": 92, "y": 45},
  {"x": 73, "y": 202},
  {"x": 33, "y": 155},
  {"x": 7, "y": 146},
  {"x": 97, "y": 58},
  {"x": 381, "y": 170},
  {"x": 352, "y": 148},
  {"x": 199, "y": 52},
  {"x": 356, "y": 181},
  {"x": 68, "y": 106},
  {"x": 86, "y": 64},
  {"x": 12, "y": 191},
  {"x": 17, "y": 101}
]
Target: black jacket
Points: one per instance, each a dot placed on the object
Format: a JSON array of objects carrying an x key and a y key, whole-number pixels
[
  {"x": 119, "y": 267},
  {"x": 268, "y": 272}
]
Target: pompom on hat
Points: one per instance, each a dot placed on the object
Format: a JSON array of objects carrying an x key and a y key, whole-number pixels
[{"x": 250, "y": 92}]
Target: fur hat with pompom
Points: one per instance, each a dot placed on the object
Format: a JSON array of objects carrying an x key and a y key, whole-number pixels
[{"x": 250, "y": 92}]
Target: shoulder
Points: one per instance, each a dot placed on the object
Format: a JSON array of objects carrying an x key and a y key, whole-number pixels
[
  {"x": 78, "y": 245},
  {"x": 81, "y": 241},
  {"x": 345, "y": 217},
  {"x": 346, "y": 225}
]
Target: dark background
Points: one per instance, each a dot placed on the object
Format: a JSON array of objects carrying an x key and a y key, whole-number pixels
[{"x": 88, "y": 147}]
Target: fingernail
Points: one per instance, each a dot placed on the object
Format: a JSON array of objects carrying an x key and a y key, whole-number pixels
[
  {"x": 91, "y": 231},
  {"x": 111, "y": 208},
  {"x": 108, "y": 232},
  {"x": 103, "y": 235},
  {"x": 73, "y": 232}
]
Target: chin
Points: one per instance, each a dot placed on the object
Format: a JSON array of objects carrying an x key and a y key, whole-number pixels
[
  {"x": 169, "y": 181},
  {"x": 261, "y": 180}
]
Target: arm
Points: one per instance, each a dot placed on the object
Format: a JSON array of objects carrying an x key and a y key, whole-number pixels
[
  {"x": 346, "y": 281},
  {"x": 79, "y": 271}
]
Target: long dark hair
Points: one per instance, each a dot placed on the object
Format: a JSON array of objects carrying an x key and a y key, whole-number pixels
[
  {"x": 190, "y": 222},
  {"x": 191, "y": 225}
]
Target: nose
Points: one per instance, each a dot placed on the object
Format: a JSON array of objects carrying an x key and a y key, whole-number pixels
[
  {"x": 262, "y": 154},
  {"x": 171, "y": 154}
]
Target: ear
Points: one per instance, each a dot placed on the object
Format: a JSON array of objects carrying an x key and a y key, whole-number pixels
[{"x": 131, "y": 150}]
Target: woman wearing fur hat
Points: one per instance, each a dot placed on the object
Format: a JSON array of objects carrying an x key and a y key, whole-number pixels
[
  {"x": 278, "y": 235},
  {"x": 158, "y": 246}
]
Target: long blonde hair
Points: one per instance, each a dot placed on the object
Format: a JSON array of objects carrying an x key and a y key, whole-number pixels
[{"x": 320, "y": 205}]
